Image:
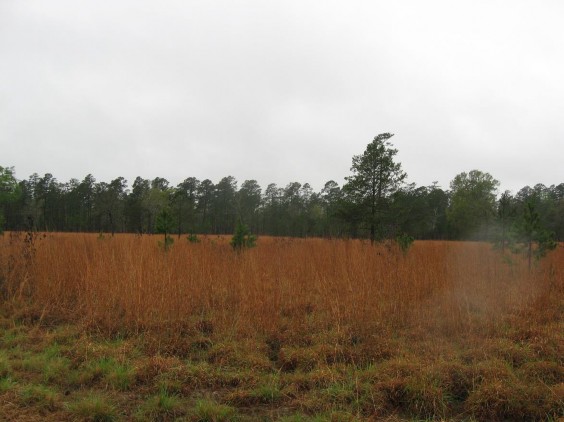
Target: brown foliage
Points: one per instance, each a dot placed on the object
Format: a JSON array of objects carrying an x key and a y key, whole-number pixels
[
  {"x": 335, "y": 325},
  {"x": 287, "y": 289}
]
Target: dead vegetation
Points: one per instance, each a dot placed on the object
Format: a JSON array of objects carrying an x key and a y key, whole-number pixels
[{"x": 293, "y": 329}]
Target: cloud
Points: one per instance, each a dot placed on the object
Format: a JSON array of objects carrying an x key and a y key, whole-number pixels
[{"x": 281, "y": 92}]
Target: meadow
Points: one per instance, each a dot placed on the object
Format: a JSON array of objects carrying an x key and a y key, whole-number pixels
[{"x": 97, "y": 327}]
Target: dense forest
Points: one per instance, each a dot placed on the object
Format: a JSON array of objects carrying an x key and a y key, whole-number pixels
[{"x": 375, "y": 202}]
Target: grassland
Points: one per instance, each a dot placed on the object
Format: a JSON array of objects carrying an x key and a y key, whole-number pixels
[{"x": 114, "y": 328}]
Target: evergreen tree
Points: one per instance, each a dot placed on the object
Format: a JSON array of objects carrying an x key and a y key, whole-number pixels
[
  {"x": 375, "y": 177},
  {"x": 242, "y": 238},
  {"x": 164, "y": 224},
  {"x": 530, "y": 236},
  {"x": 9, "y": 192}
]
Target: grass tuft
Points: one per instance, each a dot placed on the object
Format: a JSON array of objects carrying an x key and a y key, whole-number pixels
[
  {"x": 95, "y": 408},
  {"x": 7, "y": 384},
  {"x": 5, "y": 367},
  {"x": 40, "y": 396},
  {"x": 211, "y": 411},
  {"x": 161, "y": 406}
]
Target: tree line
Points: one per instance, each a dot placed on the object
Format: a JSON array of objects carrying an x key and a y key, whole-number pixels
[{"x": 375, "y": 202}]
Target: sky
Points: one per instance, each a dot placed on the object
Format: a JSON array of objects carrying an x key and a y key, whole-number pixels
[{"x": 281, "y": 91}]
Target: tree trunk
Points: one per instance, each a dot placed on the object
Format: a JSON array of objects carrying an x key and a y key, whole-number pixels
[
  {"x": 530, "y": 253},
  {"x": 111, "y": 223},
  {"x": 179, "y": 218}
]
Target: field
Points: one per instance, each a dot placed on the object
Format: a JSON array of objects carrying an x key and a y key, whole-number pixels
[{"x": 115, "y": 328}]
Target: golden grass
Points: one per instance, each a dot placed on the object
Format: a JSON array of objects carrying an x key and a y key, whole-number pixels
[
  {"x": 294, "y": 325},
  {"x": 127, "y": 284}
]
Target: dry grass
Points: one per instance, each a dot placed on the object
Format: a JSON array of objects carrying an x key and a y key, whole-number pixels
[
  {"x": 319, "y": 326},
  {"x": 127, "y": 283}
]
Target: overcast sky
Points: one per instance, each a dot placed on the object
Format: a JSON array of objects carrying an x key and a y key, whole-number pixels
[{"x": 281, "y": 91}]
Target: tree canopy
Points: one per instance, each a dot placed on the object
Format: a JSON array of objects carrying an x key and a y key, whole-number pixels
[
  {"x": 9, "y": 192},
  {"x": 375, "y": 202},
  {"x": 375, "y": 177},
  {"x": 472, "y": 204}
]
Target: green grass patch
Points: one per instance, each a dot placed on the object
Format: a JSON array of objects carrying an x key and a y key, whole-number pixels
[
  {"x": 49, "y": 365},
  {"x": 107, "y": 371},
  {"x": 269, "y": 393},
  {"x": 94, "y": 407},
  {"x": 211, "y": 411},
  {"x": 14, "y": 337},
  {"x": 161, "y": 406},
  {"x": 7, "y": 384},
  {"x": 5, "y": 367},
  {"x": 40, "y": 396}
]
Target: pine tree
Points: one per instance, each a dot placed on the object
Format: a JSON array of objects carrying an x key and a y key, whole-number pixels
[{"x": 375, "y": 177}]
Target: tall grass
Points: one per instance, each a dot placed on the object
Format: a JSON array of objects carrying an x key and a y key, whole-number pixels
[{"x": 127, "y": 283}]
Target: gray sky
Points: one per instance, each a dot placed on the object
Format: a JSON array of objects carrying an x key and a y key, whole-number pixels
[{"x": 281, "y": 91}]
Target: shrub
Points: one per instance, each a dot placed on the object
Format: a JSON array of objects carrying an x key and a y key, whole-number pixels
[
  {"x": 164, "y": 225},
  {"x": 242, "y": 238},
  {"x": 192, "y": 238},
  {"x": 404, "y": 242}
]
